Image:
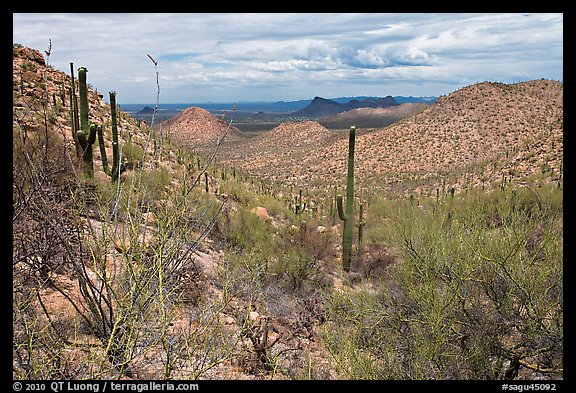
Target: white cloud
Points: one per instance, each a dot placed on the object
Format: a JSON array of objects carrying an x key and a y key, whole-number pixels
[{"x": 294, "y": 56}]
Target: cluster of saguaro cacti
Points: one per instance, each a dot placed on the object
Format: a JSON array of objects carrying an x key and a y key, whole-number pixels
[
  {"x": 348, "y": 215},
  {"x": 85, "y": 133}
]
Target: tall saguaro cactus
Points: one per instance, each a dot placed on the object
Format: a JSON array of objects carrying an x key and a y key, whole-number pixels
[
  {"x": 75, "y": 121},
  {"x": 86, "y": 134},
  {"x": 348, "y": 215},
  {"x": 102, "y": 149},
  {"x": 115, "y": 147}
]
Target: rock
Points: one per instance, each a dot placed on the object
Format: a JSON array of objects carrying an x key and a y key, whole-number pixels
[
  {"x": 149, "y": 218},
  {"x": 125, "y": 174},
  {"x": 31, "y": 54},
  {"x": 320, "y": 229},
  {"x": 262, "y": 213},
  {"x": 122, "y": 245},
  {"x": 101, "y": 177},
  {"x": 253, "y": 316}
]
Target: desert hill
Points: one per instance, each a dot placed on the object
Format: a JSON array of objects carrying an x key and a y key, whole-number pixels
[
  {"x": 285, "y": 147},
  {"x": 483, "y": 132},
  {"x": 372, "y": 117},
  {"x": 471, "y": 126},
  {"x": 197, "y": 127}
]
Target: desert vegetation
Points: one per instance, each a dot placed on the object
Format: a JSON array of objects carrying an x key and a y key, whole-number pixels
[{"x": 155, "y": 257}]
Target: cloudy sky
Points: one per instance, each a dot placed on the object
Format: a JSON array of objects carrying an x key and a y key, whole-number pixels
[{"x": 269, "y": 57}]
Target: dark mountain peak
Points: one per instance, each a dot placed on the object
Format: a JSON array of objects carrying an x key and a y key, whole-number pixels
[
  {"x": 145, "y": 111},
  {"x": 321, "y": 107},
  {"x": 320, "y": 99}
]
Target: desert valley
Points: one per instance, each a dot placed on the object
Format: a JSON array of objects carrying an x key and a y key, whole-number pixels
[{"x": 198, "y": 246}]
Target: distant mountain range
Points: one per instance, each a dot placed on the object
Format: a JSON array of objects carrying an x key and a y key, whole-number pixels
[
  {"x": 284, "y": 107},
  {"x": 322, "y": 107}
]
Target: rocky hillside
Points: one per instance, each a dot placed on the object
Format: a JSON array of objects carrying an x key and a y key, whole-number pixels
[
  {"x": 474, "y": 136},
  {"x": 285, "y": 148},
  {"x": 79, "y": 269},
  {"x": 518, "y": 128},
  {"x": 42, "y": 92},
  {"x": 372, "y": 117},
  {"x": 198, "y": 127}
]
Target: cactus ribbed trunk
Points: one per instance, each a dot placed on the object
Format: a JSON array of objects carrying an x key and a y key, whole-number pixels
[
  {"x": 102, "y": 149},
  {"x": 84, "y": 126},
  {"x": 115, "y": 147},
  {"x": 63, "y": 94},
  {"x": 361, "y": 224},
  {"x": 86, "y": 143},
  {"x": 75, "y": 121},
  {"x": 348, "y": 215},
  {"x": 87, "y": 133}
]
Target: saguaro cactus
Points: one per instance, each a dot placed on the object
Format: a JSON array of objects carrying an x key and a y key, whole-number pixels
[
  {"x": 62, "y": 93},
  {"x": 102, "y": 149},
  {"x": 86, "y": 143},
  {"x": 333, "y": 207},
  {"x": 348, "y": 216},
  {"x": 86, "y": 135},
  {"x": 115, "y": 147},
  {"x": 299, "y": 205},
  {"x": 75, "y": 120}
]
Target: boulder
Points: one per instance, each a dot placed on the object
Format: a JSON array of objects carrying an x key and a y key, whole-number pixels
[{"x": 262, "y": 213}]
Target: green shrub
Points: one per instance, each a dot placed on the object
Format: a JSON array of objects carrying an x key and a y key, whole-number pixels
[
  {"x": 244, "y": 230},
  {"x": 132, "y": 152},
  {"x": 472, "y": 296}
]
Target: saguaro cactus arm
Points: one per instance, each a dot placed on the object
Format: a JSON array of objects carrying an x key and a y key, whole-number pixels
[{"x": 92, "y": 134}]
